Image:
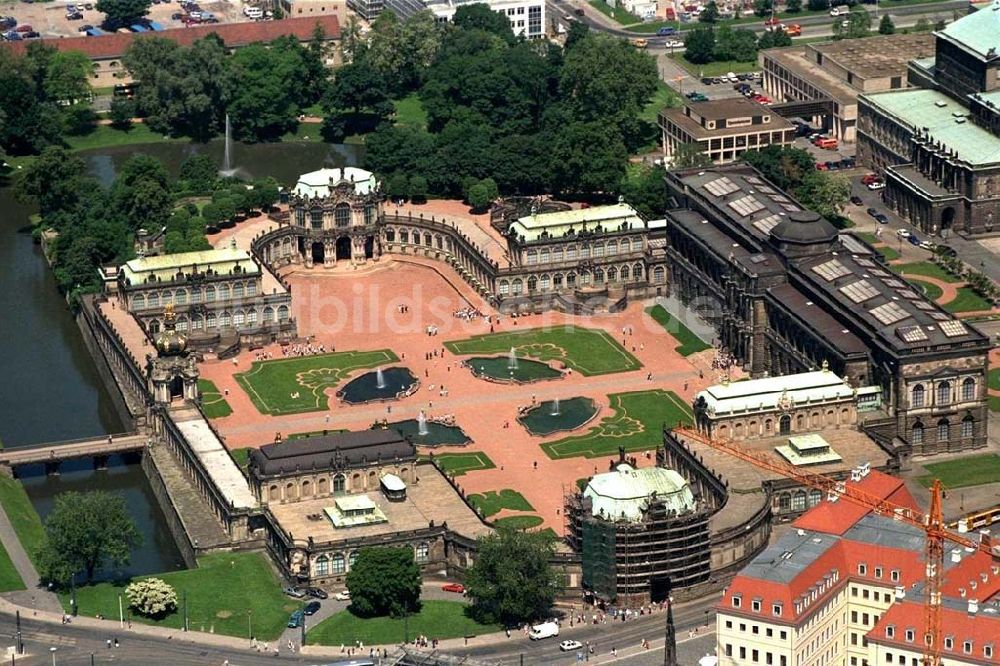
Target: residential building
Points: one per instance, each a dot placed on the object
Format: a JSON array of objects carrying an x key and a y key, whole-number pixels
[
  {"x": 939, "y": 147},
  {"x": 787, "y": 293},
  {"x": 846, "y": 587},
  {"x": 307, "y": 8},
  {"x": 822, "y": 81},
  {"x": 723, "y": 129},
  {"x": 366, "y": 9},
  {"x": 527, "y": 17}
]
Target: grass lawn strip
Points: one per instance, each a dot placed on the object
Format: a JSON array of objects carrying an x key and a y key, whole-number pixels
[
  {"x": 493, "y": 502},
  {"x": 458, "y": 464},
  {"x": 927, "y": 269},
  {"x": 436, "y": 619},
  {"x": 220, "y": 592},
  {"x": 664, "y": 96},
  {"x": 213, "y": 404},
  {"x": 617, "y": 13},
  {"x": 689, "y": 342},
  {"x": 961, "y": 472},
  {"x": 241, "y": 456},
  {"x": 994, "y": 403},
  {"x": 967, "y": 300},
  {"x": 410, "y": 111},
  {"x": 519, "y": 522},
  {"x": 270, "y": 384},
  {"x": 994, "y": 379},
  {"x": 887, "y": 252},
  {"x": 586, "y": 350},
  {"x": 22, "y": 515},
  {"x": 635, "y": 425},
  {"x": 10, "y": 579},
  {"x": 929, "y": 289},
  {"x": 718, "y": 68}
]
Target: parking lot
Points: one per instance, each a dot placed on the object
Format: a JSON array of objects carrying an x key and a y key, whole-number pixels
[{"x": 50, "y": 20}]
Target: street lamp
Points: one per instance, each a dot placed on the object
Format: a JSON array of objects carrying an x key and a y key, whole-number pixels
[
  {"x": 53, "y": 651},
  {"x": 250, "y": 625},
  {"x": 72, "y": 595}
]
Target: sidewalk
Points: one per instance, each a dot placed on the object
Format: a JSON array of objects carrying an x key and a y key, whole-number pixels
[{"x": 33, "y": 595}]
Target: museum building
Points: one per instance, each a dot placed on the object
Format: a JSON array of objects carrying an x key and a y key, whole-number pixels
[{"x": 787, "y": 293}]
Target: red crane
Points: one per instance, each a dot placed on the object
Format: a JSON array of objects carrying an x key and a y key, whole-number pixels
[{"x": 932, "y": 523}]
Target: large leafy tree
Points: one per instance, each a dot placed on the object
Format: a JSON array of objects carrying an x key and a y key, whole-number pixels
[
  {"x": 709, "y": 13},
  {"x": 267, "y": 94},
  {"x": 85, "y": 532},
  {"x": 67, "y": 78},
  {"x": 511, "y": 581},
  {"x": 690, "y": 155},
  {"x": 645, "y": 189},
  {"x": 358, "y": 87},
  {"x": 588, "y": 158},
  {"x": 857, "y": 24},
  {"x": 699, "y": 46},
  {"x": 480, "y": 16},
  {"x": 52, "y": 180},
  {"x": 31, "y": 119},
  {"x": 738, "y": 44},
  {"x": 122, "y": 12},
  {"x": 886, "y": 26},
  {"x": 384, "y": 581}
]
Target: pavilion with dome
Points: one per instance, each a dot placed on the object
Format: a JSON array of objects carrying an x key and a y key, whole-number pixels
[{"x": 173, "y": 372}]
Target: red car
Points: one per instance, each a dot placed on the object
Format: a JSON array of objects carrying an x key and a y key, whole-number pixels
[
  {"x": 24, "y": 28},
  {"x": 868, "y": 179},
  {"x": 454, "y": 587}
]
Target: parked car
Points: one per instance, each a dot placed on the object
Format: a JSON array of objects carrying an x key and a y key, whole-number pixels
[
  {"x": 7, "y": 22},
  {"x": 312, "y": 608},
  {"x": 903, "y": 233},
  {"x": 343, "y": 595},
  {"x": 316, "y": 593},
  {"x": 945, "y": 251},
  {"x": 674, "y": 44},
  {"x": 12, "y": 36},
  {"x": 928, "y": 245},
  {"x": 793, "y": 29},
  {"x": 706, "y": 81},
  {"x": 666, "y": 31},
  {"x": 295, "y": 619},
  {"x": 868, "y": 178},
  {"x": 294, "y": 591},
  {"x": 881, "y": 218},
  {"x": 877, "y": 185},
  {"x": 873, "y": 212},
  {"x": 85, "y": 27},
  {"x": 31, "y": 35},
  {"x": 640, "y": 43},
  {"x": 24, "y": 28},
  {"x": 176, "y": 16},
  {"x": 856, "y": 200},
  {"x": 838, "y": 11},
  {"x": 454, "y": 587},
  {"x": 914, "y": 239},
  {"x": 569, "y": 646},
  {"x": 543, "y": 630}
]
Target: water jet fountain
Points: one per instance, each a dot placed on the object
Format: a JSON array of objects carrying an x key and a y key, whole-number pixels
[
  {"x": 379, "y": 379},
  {"x": 512, "y": 359},
  {"x": 422, "y": 424}
]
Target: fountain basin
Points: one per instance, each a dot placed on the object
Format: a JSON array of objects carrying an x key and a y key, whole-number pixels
[
  {"x": 542, "y": 420},
  {"x": 399, "y": 382},
  {"x": 438, "y": 434},
  {"x": 497, "y": 368}
]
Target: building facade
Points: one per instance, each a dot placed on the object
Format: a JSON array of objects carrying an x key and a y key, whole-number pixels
[
  {"x": 939, "y": 146},
  {"x": 527, "y": 17},
  {"x": 787, "y": 293},
  {"x": 723, "y": 129}
]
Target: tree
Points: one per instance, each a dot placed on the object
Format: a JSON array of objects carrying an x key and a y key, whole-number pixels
[
  {"x": 481, "y": 194},
  {"x": 480, "y": 16},
  {"x": 738, "y": 44},
  {"x": 857, "y": 24},
  {"x": 824, "y": 193},
  {"x": 785, "y": 166},
  {"x": 774, "y": 39},
  {"x": 578, "y": 30},
  {"x": 152, "y": 597},
  {"x": 818, "y": 5},
  {"x": 397, "y": 186},
  {"x": 418, "y": 189},
  {"x": 709, "y": 13},
  {"x": 793, "y": 6},
  {"x": 31, "y": 121},
  {"x": 646, "y": 191},
  {"x": 922, "y": 25},
  {"x": 940, "y": 24},
  {"x": 763, "y": 7},
  {"x": 356, "y": 87},
  {"x": 85, "y": 532},
  {"x": 384, "y": 581},
  {"x": 511, "y": 581},
  {"x": 52, "y": 180},
  {"x": 67, "y": 78},
  {"x": 118, "y": 13},
  {"x": 587, "y": 158},
  {"x": 690, "y": 155},
  {"x": 886, "y": 26},
  {"x": 198, "y": 174},
  {"x": 699, "y": 46},
  {"x": 121, "y": 113}
]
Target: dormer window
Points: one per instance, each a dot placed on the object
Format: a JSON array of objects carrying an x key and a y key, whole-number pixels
[
  {"x": 909, "y": 635},
  {"x": 949, "y": 642},
  {"x": 755, "y": 605},
  {"x": 737, "y": 600},
  {"x": 894, "y": 575},
  {"x": 863, "y": 569},
  {"x": 776, "y": 609},
  {"x": 878, "y": 572},
  {"x": 890, "y": 631},
  {"x": 967, "y": 647}
]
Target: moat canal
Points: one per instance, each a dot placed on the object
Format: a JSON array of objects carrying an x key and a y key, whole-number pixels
[{"x": 52, "y": 391}]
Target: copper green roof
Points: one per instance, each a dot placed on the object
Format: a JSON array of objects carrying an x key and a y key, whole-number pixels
[
  {"x": 979, "y": 32},
  {"x": 946, "y": 121}
]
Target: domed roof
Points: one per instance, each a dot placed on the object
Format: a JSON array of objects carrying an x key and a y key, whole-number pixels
[
  {"x": 804, "y": 227},
  {"x": 169, "y": 342}
]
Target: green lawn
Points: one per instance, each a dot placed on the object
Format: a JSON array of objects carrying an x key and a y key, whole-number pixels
[
  {"x": 961, "y": 472},
  {"x": 715, "y": 68},
  {"x": 994, "y": 403},
  {"x": 617, "y": 13},
  {"x": 929, "y": 289},
  {"x": 519, "y": 522},
  {"x": 967, "y": 301},
  {"x": 410, "y": 111},
  {"x": 868, "y": 237},
  {"x": 458, "y": 464},
  {"x": 105, "y": 136},
  {"x": 926, "y": 269},
  {"x": 213, "y": 404},
  {"x": 588, "y": 351},
  {"x": 436, "y": 619},
  {"x": 219, "y": 593},
  {"x": 494, "y": 501},
  {"x": 889, "y": 253},
  {"x": 9, "y": 578},
  {"x": 271, "y": 384},
  {"x": 636, "y": 423},
  {"x": 994, "y": 379},
  {"x": 689, "y": 342},
  {"x": 241, "y": 456},
  {"x": 22, "y": 515},
  {"x": 664, "y": 96}
]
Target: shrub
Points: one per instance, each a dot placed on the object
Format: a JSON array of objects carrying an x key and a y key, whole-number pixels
[{"x": 151, "y": 597}]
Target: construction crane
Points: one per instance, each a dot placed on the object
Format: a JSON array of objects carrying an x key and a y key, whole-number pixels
[{"x": 931, "y": 523}]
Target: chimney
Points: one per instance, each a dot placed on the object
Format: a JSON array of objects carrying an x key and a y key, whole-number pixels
[
  {"x": 973, "y": 606},
  {"x": 900, "y": 592}
]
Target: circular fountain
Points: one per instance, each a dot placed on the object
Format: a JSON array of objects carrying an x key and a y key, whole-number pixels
[
  {"x": 426, "y": 432},
  {"x": 510, "y": 368},
  {"x": 551, "y": 416},
  {"x": 382, "y": 384}
]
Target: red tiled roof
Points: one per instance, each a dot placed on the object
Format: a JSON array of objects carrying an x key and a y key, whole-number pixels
[
  {"x": 973, "y": 568},
  {"x": 838, "y": 517},
  {"x": 233, "y": 34},
  {"x": 982, "y": 629}
]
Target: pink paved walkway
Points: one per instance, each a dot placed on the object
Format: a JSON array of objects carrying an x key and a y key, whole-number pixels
[{"x": 358, "y": 310}]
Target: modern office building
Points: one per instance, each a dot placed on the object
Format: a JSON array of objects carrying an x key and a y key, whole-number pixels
[{"x": 527, "y": 17}]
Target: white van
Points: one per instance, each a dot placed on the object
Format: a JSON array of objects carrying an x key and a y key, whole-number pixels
[
  {"x": 544, "y": 630},
  {"x": 253, "y": 12},
  {"x": 838, "y": 11}
]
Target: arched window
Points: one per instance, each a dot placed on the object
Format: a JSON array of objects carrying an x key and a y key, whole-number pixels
[
  {"x": 226, "y": 320},
  {"x": 785, "y": 425},
  {"x": 598, "y": 276},
  {"x": 342, "y": 215},
  {"x": 612, "y": 274},
  {"x": 352, "y": 558},
  {"x": 612, "y": 247},
  {"x": 504, "y": 287},
  {"x": 625, "y": 273},
  {"x": 251, "y": 288},
  {"x": 815, "y": 497},
  {"x": 598, "y": 250},
  {"x": 557, "y": 281},
  {"x": 799, "y": 500},
  {"x": 585, "y": 252},
  {"x": 307, "y": 489},
  {"x": 917, "y": 434},
  {"x": 268, "y": 314},
  {"x": 636, "y": 244},
  {"x": 571, "y": 280},
  {"x": 543, "y": 255},
  {"x": 223, "y": 292},
  {"x": 322, "y": 486},
  {"x": 545, "y": 283},
  {"x": 968, "y": 427},
  {"x": 322, "y": 565},
  {"x": 316, "y": 218},
  {"x": 390, "y": 235},
  {"x": 768, "y": 425},
  {"x": 273, "y": 494},
  {"x": 369, "y": 214},
  {"x": 942, "y": 430},
  {"x": 238, "y": 290},
  {"x": 251, "y": 317},
  {"x": 428, "y": 241},
  {"x": 182, "y": 323},
  {"x": 138, "y": 302},
  {"x": 422, "y": 552},
  {"x": 239, "y": 318},
  {"x": 197, "y": 323},
  {"x": 282, "y": 313},
  {"x": 918, "y": 396},
  {"x": 339, "y": 483},
  {"x": 209, "y": 294},
  {"x": 154, "y": 299},
  {"x": 784, "y": 501},
  {"x": 968, "y": 389},
  {"x": 944, "y": 393},
  {"x": 517, "y": 286},
  {"x": 181, "y": 297},
  {"x": 337, "y": 564},
  {"x": 404, "y": 236},
  {"x": 196, "y": 295},
  {"x": 571, "y": 253},
  {"x": 532, "y": 283},
  {"x": 531, "y": 257},
  {"x": 816, "y": 420},
  {"x": 291, "y": 492},
  {"x": 210, "y": 321},
  {"x": 659, "y": 275},
  {"x": 800, "y": 422},
  {"x": 154, "y": 326},
  {"x": 637, "y": 272}
]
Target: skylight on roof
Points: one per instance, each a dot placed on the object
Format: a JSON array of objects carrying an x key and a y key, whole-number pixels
[
  {"x": 765, "y": 224},
  {"x": 953, "y": 329},
  {"x": 889, "y": 313},
  {"x": 746, "y": 206},
  {"x": 911, "y": 333},
  {"x": 940, "y": 316},
  {"x": 831, "y": 270},
  {"x": 909, "y": 293},
  {"x": 720, "y": 187},
  {"x": 895, "y": 284},
  {"x": 754, "y": 179},
  {"x": 864, "y": 261},
  {"x": 924, "y": 305},
  {"x": 879, "y": 272},
  {"x": 859, "y": 291}
]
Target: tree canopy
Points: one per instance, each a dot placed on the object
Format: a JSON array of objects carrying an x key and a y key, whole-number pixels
[
  {"x": 384, "y": 581},
  {"x": 85, "y": 532},
  {"x": 119, "y": 13},
  {"x": 31, "y": 89},
  {"x": 794, "y": 170},
  {"x": 511, "y": 581}
]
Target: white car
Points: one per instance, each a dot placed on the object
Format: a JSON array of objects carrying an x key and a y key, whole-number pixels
[
  {"x": 877, "y": 185},
  {"x": 673, "y": 44},
  {"x": 837, "y": 11},
  {"x": 928, "y": 245},
  {"x": 903, "y": 233},
  {"x": 569, "y": 646},
  {"x": 343, "y": 595}
]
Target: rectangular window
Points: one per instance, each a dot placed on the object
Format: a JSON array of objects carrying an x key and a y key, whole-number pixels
[
  {"x": 755, "y": 605},
  {"x": 894, "y": 575},
  {"x": 863, "y": 569},
  {"x": 736, "y": 601},
  {"x": 878, "y": 572},
  {"x": 729, "y": 624},
  {"x": 743, "y": 652},
  {"x": 729, "y": 650}
]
